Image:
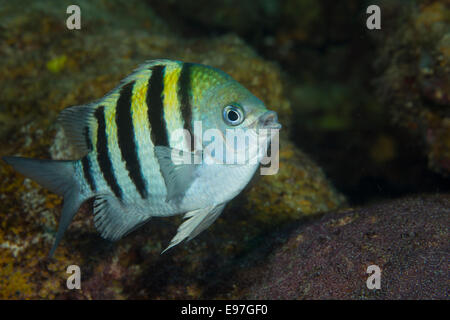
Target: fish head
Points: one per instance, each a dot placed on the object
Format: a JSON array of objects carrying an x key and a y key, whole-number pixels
[{"x": 239, "y": 117}]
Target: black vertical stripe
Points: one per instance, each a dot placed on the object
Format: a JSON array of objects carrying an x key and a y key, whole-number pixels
[
  {"x": 126, "y": 138},
  {"x": 155, "y": 107},
  {"x": 103, "y": 158},
  {"x": 184, "y": 96},
  {"x": 86, "y": 164},
  {"x": 87, "y": 138}
]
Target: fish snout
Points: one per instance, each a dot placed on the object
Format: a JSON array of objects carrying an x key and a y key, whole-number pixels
[{"x": 269, "y": 120}]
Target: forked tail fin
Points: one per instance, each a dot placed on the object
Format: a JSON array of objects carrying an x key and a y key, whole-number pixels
[{"x": 59, "y": 177}]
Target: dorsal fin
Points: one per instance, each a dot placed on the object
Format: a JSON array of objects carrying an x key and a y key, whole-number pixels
[
  {"x": 76, "y": 120},
  {"x": 143, "y": 70},
  {"x": 77, "y": 123}
]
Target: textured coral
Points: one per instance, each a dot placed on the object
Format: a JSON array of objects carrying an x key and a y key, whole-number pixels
[
  {"x": 349, "y": 97},
  {"x": 327, "y": 259},
  {"x": 45, "y": 68},
  {"x": 416, "y": 77},
  {"x": 309, "y": 191}
]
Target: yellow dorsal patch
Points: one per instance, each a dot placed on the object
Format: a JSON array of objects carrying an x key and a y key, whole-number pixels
[
  {"x": 203, "y": 79},
  {"x": 138, "y": 104},
  {"x": 110, "y": 119},
  {"x": 172, "y": 111}
]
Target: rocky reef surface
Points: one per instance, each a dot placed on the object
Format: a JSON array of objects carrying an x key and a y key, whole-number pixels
[
  {"x": 415, "y": 60},
  {"x": 328, "y": 258}
]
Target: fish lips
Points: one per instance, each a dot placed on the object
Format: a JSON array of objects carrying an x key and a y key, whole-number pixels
[{"x": 269, "y": 120}]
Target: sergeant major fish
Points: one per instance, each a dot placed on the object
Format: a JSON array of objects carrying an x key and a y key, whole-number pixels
[{"x": 126, "y": 139}]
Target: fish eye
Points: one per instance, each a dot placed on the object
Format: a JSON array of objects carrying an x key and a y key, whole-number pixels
[{"x": 233, "y": 115}]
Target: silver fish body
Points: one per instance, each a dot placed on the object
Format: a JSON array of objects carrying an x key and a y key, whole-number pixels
[{"x": 129, "y": 141}]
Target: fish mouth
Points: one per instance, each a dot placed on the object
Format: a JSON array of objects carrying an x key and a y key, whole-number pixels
[{"x": 269, "y": 120}]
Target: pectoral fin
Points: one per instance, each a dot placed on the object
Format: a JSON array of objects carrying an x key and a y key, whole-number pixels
[
  {"x": 178, "y": 170},
  {"x": 198, "y": 220}
]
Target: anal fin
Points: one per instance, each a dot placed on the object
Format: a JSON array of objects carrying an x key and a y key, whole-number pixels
[
  {"x": 198, "y": 220},
  {"x": 113, "y": 219}
]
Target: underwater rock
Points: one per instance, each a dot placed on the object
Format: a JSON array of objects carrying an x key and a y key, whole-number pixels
[
  {"x": 415, "y": 82},
  {"x": 354, "y": 131},
  {"x": 296, "y": 33},
  {"x": 327, "y": 259},
  {"x": 44, "y": 68},
  {"x": 300, "y": 188},
  {"x": 350, "y": 136}
]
